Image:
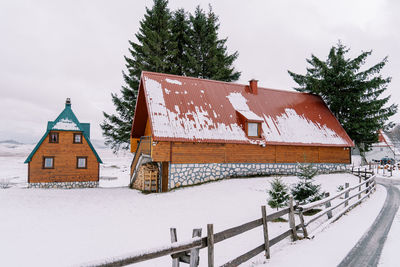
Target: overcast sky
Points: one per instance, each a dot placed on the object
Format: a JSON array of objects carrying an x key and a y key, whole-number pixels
[{"x": 51, "y": 50}]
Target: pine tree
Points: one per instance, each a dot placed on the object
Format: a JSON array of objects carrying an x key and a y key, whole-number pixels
[
  {"x": 168, "y": 43},
  {"x": 278, "y": 194},
  {"x": 152, "y": 52},
  {"x": 304, "y": 190},
  {"x": 352, "y": 94},
  {"x": 210, "y": 53},
  {"x": 182, "y": 59}
]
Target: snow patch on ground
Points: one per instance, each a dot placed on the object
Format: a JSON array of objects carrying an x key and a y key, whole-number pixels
[
  {"x": 329, "y": 247},
  {"x": 390, "y": 252}
]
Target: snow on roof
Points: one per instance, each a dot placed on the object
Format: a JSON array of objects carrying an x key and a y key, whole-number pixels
[
  {"x": 298, "y": 129},
  {"x": 66, "y": 124},
  {"x": 207, "y": 111},
  {"x": 239, "y": 103},
  {"x": 173, "y": 81}
]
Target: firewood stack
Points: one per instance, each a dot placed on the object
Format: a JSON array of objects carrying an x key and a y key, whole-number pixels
[{"x": 147, "y": 178}]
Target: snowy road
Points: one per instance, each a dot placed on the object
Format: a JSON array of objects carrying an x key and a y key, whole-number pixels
[{"x": 368, "y": 249}]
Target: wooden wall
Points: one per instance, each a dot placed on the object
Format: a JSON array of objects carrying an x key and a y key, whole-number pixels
[
  {"x": 180, "y": 152},
  {"x": 64, "y": 153}
]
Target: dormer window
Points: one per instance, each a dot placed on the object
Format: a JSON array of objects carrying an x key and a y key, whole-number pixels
[
  {"x": 53, "y": 137},
  {"x": 253, "y": 129},
  {"x": 77, "y": 138}
]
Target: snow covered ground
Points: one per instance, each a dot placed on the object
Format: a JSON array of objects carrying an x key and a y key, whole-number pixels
[
  {"x": 390, "y": 251},
  {"x": 54, "y": 227},
  {"x": 113, "y": 173}
]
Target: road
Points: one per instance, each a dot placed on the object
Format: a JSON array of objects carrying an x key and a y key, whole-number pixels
[{"x": 368, "y": 249}]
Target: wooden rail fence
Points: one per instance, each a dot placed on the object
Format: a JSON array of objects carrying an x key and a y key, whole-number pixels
[{"x": 188, "y": 251}]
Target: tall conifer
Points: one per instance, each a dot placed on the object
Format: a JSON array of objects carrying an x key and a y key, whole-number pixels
[
  {"x": 353, "y": 95},
  {"x": 174, "y": 43},
  {"x": 152, "y": 52},
  {"x": 210, "y": 53}
]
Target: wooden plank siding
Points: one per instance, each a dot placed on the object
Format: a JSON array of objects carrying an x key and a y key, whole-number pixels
[
  {"x": 181, "y": 152},
  {"x": 65, "y": 154}
]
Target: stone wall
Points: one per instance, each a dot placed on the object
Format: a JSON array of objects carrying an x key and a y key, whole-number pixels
[
  {"x": 65, "y": 185},
  {"x": 188, "y": 174}
]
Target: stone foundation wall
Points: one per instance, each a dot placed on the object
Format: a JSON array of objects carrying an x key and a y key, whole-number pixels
[
  {"x": 65, "y": 185},
  {"x": 188, "y": 174}
]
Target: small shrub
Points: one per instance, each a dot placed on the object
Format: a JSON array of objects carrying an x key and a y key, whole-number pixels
[
  {"x": 278, "y": 195},
  {"x": 5, "y": 183},
  {"x": 304, "y": 191},
  {"x": 340, "y": 188}
]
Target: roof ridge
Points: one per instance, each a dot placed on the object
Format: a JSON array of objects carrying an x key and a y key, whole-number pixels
[{"x": 224, "y": 82}]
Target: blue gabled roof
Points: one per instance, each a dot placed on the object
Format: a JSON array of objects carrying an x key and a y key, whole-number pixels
[{"x": 66, "y": 121}]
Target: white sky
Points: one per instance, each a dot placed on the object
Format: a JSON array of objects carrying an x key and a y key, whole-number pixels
[{"x": 51, "y": 50}]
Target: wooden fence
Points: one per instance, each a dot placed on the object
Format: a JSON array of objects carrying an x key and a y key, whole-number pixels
[
  {"x": 188, "y": 252},
  {"x": 343, "y": 197}
]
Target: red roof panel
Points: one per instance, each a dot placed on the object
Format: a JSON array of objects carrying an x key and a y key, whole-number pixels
[{"x": 198, "y": 110}]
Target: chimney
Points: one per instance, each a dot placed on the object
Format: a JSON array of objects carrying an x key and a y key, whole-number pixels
[
  {"x": 68, "y": 102},
  {"x": 253, "y": 86}
]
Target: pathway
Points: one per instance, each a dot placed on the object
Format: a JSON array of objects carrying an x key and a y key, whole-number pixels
[{"x": 369, "y": 248}]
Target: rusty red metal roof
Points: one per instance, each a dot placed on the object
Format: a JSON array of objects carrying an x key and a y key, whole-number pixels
[{"x": 198, "y": 110}]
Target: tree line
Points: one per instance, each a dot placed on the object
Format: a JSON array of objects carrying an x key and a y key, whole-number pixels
[
  {"x": 173, "y": 42},
  {"x": 182, "y": 43}
]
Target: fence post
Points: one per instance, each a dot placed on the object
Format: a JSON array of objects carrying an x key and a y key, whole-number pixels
[
  {"x": 194, "y": 253},
  {"x": 210, "y": 244},
  {"x": 359, "y": 171},
  {"x": 328, "y": 205},
  {"x": 265, "y": 228},
  {"x": 359, "y": 188},
  {"x": 292, "y": 223},
  {"x": 174, "y": 238},
  {"x": 346, "y": 195},
  {"x": 305, "y": 233}
]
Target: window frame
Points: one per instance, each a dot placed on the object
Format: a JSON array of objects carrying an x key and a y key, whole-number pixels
[
  {"x": 50, "y": 137},
  {"x": 258, "y": 129},
  {"x": 75, "y": 134},
  {"x": 77, "y": 162},
  {"x": 44, "y": 162}
]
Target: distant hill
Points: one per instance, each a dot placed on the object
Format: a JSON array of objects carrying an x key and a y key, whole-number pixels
[{"x": 13, "y": 142}]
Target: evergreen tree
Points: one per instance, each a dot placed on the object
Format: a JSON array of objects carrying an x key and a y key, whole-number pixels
[
  {"x": 182, "y": 59},
  {"x": 353, "y": 95},
  {"x": 152, "y": 52},
  {"x": 168, "y": 43},
  {"x": 209, "y": 52},
  {"x": 304, "y": 190},
  {"x": 278, "y": 194}
]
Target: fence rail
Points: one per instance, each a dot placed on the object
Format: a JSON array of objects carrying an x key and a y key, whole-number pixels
[{"x": 188, "y": 251}]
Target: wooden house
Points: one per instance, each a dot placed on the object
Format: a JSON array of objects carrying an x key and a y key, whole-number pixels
[
  {"x": 387, "y": 146},
  {"x": 64, "y": 156},
  {"x": 199, "y": 130}
]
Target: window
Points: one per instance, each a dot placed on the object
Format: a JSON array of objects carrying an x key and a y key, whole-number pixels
[
  {"x": 48, "y": 162},
  {"x": 77, "y": 138},
  {"x": 81, "y": 162},
  {"x": 53, "y": 137},
  {"x": 252, "y": 129}
]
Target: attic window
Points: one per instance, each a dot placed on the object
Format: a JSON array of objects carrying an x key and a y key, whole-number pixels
[
  {"x": 53, "y": 138},
  {"x": 253, "y": 129},
  {"x": 77, "y": 138}
]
